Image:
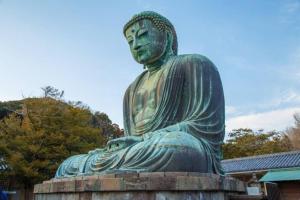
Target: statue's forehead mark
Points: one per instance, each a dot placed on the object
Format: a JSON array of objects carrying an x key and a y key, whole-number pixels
[{"x": 136, "y": 26}]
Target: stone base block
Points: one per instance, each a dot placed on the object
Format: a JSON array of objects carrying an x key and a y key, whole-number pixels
[{"x": 143, "y": 186}]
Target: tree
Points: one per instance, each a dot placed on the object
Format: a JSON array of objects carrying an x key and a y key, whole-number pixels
[
  {"x": 7, "y": 108},
  {"x": 50, "y": 91},
  {"x": 109, "y": 130},
  {"x": 50, "y": 131},
  {"x": 117, "y": 131},
  {"x": 246, "y": 142},
  {"x": 293, "y": 133}
]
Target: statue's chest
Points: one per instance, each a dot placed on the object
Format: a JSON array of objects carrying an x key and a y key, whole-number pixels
[{"x": 147, "y": 96}]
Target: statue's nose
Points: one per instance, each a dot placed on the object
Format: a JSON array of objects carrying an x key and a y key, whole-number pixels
[{"x": 136, "y": 45}]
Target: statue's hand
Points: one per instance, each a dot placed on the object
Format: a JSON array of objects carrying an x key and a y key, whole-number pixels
[
  {"x": 173, "y": 128},
  {"x": 95, "y": 151},
  {"x": 122, "y": 142}
]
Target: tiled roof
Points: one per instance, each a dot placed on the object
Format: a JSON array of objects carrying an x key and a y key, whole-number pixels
[
  {"x": 3, "y": 165},
  {"x": 262, "y": 162}
]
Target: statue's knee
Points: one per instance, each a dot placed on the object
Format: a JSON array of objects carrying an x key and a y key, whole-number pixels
[
  {"x": 180, "y": 139},
  {"x": 187, "y": 153},
  {"x": 72, "y": 165}
]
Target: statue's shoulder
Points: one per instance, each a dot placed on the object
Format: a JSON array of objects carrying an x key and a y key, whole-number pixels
[{"x": 195, "y": 60}]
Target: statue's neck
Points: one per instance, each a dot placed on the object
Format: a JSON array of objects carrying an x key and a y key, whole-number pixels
[{"x": 156, "y": 65}]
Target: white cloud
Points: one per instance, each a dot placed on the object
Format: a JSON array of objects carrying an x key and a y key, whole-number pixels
[
  {"x": 230, "y": 110},
  {"x": 272, "y": 120},
  {"x": 285, "y": 97}
]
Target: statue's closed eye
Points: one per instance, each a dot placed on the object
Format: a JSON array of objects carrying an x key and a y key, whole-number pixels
[{"x": 142, "y": 32}]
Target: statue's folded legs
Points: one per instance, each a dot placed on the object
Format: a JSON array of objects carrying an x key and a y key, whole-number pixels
[{"x": 170, "y": 151}]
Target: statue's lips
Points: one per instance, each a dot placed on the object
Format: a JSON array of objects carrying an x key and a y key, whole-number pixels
[
  {"x": 141, "y": 52},
  {"x": 143, "y": 47}
]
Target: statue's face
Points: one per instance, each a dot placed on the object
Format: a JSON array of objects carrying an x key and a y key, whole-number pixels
[{"x": 147, "y": 43}]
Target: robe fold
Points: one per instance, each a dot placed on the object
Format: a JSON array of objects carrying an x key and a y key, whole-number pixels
[
  {"x": 192, "y": 102},
  {"x": 185, "y": 133}
]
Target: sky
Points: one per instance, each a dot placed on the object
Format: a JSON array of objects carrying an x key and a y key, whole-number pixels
[{"x": 78, "y": 46}]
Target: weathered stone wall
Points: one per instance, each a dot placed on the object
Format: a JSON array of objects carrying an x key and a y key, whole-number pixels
[{"x": 146, "y": 186}]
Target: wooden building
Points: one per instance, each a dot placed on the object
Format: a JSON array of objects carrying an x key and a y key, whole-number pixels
[{"x": 277, "y": 175}]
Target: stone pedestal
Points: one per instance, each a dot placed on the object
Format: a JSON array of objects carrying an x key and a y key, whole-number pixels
[{"x": 141, "y": 186}]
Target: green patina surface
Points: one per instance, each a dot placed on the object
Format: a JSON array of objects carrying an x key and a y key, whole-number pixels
[
  {"x": 282, "y": 175},
  {"x": 173, "y": 111}
]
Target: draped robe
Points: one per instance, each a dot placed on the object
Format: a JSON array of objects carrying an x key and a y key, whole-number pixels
[{"x": 184, "y": 133}]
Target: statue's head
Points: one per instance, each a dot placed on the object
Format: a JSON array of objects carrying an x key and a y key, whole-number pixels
[{"x": 151, "y": 37}]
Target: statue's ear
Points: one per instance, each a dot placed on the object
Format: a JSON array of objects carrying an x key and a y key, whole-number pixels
[{"x": 169, "y": 42}]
